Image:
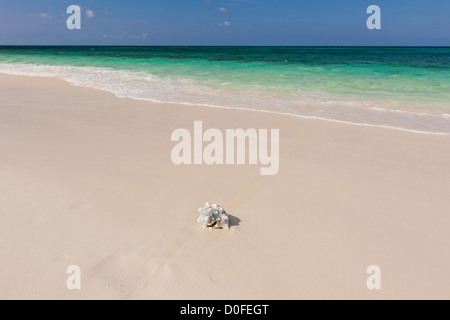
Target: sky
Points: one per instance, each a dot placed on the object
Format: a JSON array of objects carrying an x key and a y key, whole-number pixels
[{"x": 226, "y": 22}]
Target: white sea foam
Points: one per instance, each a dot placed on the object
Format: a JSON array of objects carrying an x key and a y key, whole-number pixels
[{"x": 145, "y": 86}]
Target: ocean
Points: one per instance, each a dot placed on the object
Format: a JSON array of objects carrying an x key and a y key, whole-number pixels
[{"x": 400, "y": 87}]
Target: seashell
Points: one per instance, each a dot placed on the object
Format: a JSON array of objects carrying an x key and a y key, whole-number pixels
[{"x": 213, "y": 217}]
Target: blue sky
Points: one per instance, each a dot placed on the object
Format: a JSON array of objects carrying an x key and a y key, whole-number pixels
[{"x": 225, "y": 22}]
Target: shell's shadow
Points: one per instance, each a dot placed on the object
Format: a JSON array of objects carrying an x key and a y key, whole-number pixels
[{"x": 233, "y": 220}]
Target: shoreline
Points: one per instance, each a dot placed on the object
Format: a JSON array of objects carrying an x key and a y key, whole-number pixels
[
  {"x": 293, "y": 114},
  {"x": 277, "y": 113},
  {"x": 86, "y": 179}
]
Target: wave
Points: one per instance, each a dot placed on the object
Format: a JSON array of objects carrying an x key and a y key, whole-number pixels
[{"x": 146, "y": 86}]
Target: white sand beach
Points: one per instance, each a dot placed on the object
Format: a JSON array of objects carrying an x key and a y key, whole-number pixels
[{"x": 86, "y": 179}]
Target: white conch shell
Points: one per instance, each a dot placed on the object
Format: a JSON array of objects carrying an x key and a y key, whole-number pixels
[{"x": 213, "y": 217}]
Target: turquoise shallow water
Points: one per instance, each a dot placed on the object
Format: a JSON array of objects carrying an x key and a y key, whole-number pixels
[{"x": 407, "y": 88}]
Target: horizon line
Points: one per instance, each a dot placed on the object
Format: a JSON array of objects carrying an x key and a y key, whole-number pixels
[{"x": 249, "y": 46}]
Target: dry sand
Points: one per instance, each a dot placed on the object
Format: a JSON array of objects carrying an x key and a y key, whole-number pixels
[{"x": 86, "y": 179}]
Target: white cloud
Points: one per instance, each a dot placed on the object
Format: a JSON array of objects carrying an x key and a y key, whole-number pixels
[
  {"x": 126, "y": 35},
  {"x": 224, "y": 24},
  {"x": 90, "y": 13},
  {"x": 222, "y": 9},
  {"x": 41, "y": 15}
]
